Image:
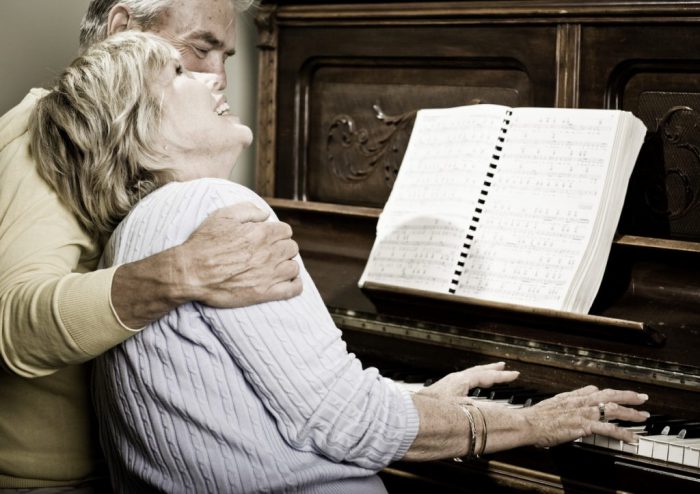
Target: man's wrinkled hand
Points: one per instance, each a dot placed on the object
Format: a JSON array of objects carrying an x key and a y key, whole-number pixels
[{"x": 236, "y": 258}]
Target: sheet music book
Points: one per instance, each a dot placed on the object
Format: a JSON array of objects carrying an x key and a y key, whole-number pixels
[{"x": 511, "y": 205}]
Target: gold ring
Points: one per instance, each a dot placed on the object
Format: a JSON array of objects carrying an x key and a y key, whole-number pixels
[{"x": 601, "y": 412}]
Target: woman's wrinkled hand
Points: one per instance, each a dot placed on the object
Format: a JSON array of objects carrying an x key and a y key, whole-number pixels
[
  {"x": 583, "y": 412},
  {"x": 458, "y": 384}
]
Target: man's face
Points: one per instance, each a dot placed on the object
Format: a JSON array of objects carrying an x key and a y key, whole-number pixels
[{"x": 204, "y": 32}]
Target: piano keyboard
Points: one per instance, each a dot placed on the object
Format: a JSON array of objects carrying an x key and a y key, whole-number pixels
[{"x": 662, "y": 438}]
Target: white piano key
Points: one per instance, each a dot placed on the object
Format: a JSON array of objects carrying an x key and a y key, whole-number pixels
[
  {"x": 691, "y": 456},
  {"x": 661, "y": 447},
  {"x": 588, "y": 439},
  {"x": 602, "y": 441},
  {"x": 632, "y": 448},
  {"x": 410, "y": 387},
  {"x": 500, "y": 402},
  {"x": 646, "y": 444},
  {"x": 677, "y": 450},
  {"x": 616, "y": 444},
  {"x": 610, "y": 443}
]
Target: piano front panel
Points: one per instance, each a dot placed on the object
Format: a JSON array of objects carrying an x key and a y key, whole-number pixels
[
  {"x": 355, "y": 90},
  {"x": 361, "y": 113},
  {"x": 659, "y": 81}
]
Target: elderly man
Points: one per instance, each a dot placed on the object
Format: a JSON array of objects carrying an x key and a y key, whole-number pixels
[{"x": 57, "y": 312}]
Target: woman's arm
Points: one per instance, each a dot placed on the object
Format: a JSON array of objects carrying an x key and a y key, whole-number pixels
[{"x": 445, "y": 429}]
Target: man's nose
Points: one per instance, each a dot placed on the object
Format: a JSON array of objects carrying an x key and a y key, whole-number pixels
[
  {"x": 221, "y": 79},
  {"x": 218, "y": 70}
]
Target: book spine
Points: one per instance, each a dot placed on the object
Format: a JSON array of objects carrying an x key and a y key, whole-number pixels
[{"x": 481, "y": 202}]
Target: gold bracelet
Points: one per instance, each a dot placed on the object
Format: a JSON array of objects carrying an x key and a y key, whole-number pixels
[
  {"x": 472, "y": 433},
  {"x": 484, "y": 433}
]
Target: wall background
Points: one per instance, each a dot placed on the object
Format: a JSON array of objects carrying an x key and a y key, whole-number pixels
[{"x": 39, "y": 37}]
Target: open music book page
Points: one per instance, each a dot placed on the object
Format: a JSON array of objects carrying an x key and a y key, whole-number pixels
[
  {"x": 518, "y": 206},
  {"x": 421, "y": 230}
]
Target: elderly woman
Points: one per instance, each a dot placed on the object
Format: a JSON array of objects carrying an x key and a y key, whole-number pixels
[{"x": 264, "y": 398}]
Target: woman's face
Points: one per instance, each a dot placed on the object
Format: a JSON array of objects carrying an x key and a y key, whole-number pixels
[{"x": 200, "y": 135}]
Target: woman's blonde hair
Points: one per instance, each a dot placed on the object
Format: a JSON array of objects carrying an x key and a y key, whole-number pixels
[{"x": 95, "y": 136}]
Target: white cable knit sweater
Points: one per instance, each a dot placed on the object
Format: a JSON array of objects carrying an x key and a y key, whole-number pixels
[{"x": 257, "y": 399}]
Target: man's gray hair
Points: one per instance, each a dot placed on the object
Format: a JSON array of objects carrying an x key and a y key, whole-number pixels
[{"x": 147, "y": 13}]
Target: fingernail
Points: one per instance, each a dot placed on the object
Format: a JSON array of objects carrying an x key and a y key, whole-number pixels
[
  {"x": 646, "y": 414},
  {"x": 642, "y": 396}
]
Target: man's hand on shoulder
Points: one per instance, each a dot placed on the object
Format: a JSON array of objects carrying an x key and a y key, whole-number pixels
[{"x": 234, "y": 259}]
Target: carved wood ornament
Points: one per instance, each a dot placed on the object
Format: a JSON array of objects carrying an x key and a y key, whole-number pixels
[{"x": 353, "y": 154}]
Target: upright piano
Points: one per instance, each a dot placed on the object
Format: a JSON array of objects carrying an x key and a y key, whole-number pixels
[{"x": 339, "y": 85}]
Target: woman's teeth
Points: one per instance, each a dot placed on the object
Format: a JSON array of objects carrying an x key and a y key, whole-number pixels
[{"x": 222, "y": 109}]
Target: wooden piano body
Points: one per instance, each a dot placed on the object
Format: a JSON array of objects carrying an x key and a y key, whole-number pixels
[{"x": 339, "y": 85}]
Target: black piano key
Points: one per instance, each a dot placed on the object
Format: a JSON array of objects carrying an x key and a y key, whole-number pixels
[
  {"x": 627, "y": 423},
  {"x": 477, "y": 392},
  {"x": 656, "y": 417},
  {"x": 519, "y": 398},
  {"x": 431, "y": 380},
  {"x": 415, "y": 378},
  {"x": 690, "y": 431},
  {"x": 508, "y": 393},
  {"x": 408, "y": 375},
  {"x": 674, "y": 428},
  {"x": 389, "y": 371},
  {"x": 656, "y": 428},
  {"x": 482, "y": 392},
  {"x": 396, "y": 375},
  {"x": 535, "y": 399}
]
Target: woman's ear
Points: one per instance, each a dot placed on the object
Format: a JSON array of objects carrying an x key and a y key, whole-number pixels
[{"x": 119, "y": 19}]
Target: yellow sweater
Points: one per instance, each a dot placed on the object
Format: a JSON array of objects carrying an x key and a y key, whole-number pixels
[{"x": 55, "y": 314}]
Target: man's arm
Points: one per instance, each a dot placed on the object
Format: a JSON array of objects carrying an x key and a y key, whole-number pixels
[
  {"x": 233, "y": 259},
  {"x": 54, "y": 314}
]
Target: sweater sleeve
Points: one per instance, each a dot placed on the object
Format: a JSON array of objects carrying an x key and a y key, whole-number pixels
[
  {"x": 53, "y": 312},
  {"x": 322, "y": 400}
]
